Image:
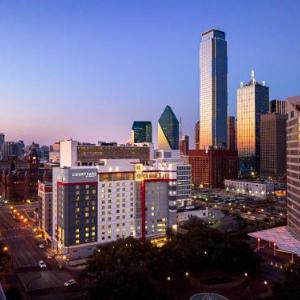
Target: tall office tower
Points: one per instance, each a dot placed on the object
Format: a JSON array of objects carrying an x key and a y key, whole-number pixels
[
  {"x": 197, "y": 134},
  {"x": 277, "y": 106},
  {"x": 2, "y": 141},
  {"x": 273, "y": 145},
  {"x": 184, "y": 145},
  {"x": 293, "y": 165},
  {"x": 213, "y": 89},
  {"x": 231, "y": 133},
  {"x": 168, "y": 130},
  {"x": 252, "y": 101},
  {"x": 141, "y": 132}
]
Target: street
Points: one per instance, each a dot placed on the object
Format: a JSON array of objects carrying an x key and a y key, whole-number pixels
[{"x": 25, "y": 254}]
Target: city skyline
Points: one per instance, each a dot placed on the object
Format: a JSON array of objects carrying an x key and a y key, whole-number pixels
[{"x": 98, "y": 54}]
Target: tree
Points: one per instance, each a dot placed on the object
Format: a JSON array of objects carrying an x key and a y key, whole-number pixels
[{"x": 289, "y": 289}]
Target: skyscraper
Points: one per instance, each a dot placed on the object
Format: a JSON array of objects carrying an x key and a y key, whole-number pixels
[
  {"x": 293, "y": 166},
  {"x": 197, "y": 134},
  {"x": 273, "y": 145},
  {"x": 231, "y": 133},
  {"x": 2, "y": 141},
  {"x": 141, "y": 132},
  {"x": 213, "y": 89},
  {"x": 168, "y": 130},
  {"x": 252, "y": 101}
]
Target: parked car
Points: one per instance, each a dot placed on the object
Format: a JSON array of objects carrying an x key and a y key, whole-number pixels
[
  {"x": 70, "y": 282},
  {"x": 42, "y": 264}
]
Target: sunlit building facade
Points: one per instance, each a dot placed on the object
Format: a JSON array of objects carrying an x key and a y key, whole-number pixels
[
  {"x": 293, "y": 166},
  {"x": 273, "y": 146},
  {"x": 252, "y": 102},
  {"x": 168, "y": 130},
  {"x": 231, "y": 133},
  {"x": 141, "y": 132},
  {"x": 278, "y": 106},
  {"x": 197, "y": 134},
  {"x": 213, "y": 89}
]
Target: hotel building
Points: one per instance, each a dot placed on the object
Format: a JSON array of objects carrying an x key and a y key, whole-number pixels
[{"x": 113, "y": 199}]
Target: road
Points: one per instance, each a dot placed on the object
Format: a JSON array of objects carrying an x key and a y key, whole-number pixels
[{"x": 25, "y": 253}]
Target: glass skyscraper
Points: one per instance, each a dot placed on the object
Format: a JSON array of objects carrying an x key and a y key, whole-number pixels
[
  {"x": 168, "y": 130},
  {"x": 141, "y": 132},
  {"x": 213, "y": 89},
  {"x": 252, "y": 102}
]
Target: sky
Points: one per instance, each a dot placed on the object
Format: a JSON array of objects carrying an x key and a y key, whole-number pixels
[{"x": 87, "y": 69}]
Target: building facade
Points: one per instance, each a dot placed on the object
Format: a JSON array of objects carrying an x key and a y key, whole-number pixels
[
  {"x": 278, "y": 106},
  {"x": 115, "y": 198},
  {"x": 197, "y": 134},
  {"x": 273, "y": 145},
  {"x": 252, "y": 188},
  {"x": 213, "y": 89},
  {"x": 252, "y": 102},
  {"x": 168, "y": 130},
  {"x": 293, "y": 166},
  {"x": 73, "y": 153},
  {"x": 211, "y": 167},
  {"x": 141, "y": 132},
  {"x": 231, "y": 133},
  {"x": 45, "y": 207},
  {"x": 184, "y": 145}
]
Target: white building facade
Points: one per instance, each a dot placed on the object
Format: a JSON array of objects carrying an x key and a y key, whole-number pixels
[{"x": 251, "y": 188}]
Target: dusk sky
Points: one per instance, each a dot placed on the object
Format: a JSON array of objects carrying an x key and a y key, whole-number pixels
[{"x": 86, "y": 69}]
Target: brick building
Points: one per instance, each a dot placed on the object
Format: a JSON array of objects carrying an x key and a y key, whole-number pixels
[{"x": 211, "y": 167}]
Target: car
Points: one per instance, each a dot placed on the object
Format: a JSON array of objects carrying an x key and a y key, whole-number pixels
[
  {"x": 70, "y": 282},
  {"x": 42, "y": 246},
  {"x": 42, "y": 264}
]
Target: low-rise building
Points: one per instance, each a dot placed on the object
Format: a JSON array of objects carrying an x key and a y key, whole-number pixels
[
  {"x": 187, "y": 212},
  {"x": 252, "y": 188}
]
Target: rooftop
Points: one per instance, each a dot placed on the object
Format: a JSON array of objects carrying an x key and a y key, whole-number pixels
[{"x": 283, "y": 239}]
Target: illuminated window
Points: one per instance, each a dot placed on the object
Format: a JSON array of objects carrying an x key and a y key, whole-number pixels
[{"x": 77, "y": 242}]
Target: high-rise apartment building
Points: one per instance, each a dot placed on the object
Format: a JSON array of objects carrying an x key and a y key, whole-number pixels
[
  {"x": 273, "y": 145},
  {"x": 231, "y": 133},
  {"x": 277, "y": 106},
  {"x": 252, "y": 102},
  {"x": 168, "y": 130},
  {"x": 213, "y": 89},
  {"x": 197, "y": 134},
  {"x": 141, "y": 132},
  {"x": 293, "y": 166}
]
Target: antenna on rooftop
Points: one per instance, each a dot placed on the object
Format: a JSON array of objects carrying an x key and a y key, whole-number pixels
[{"x": 252, "y": 76}]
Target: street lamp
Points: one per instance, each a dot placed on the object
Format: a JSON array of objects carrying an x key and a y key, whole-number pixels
[
  {"x": 5, "y": 249},
  {"x": 265, "y": 282},
  {"x": 246, "y": 274}
]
